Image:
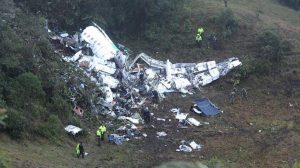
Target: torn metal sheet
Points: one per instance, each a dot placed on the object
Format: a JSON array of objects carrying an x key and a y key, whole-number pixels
[
  {"x": 99, "y": 42},
  {"x": 149, "y": 61},
  {"x": 195, "y": 146},
  {"x": 181, "y": 116},
  {"x": 228, "y": 64},
  {"x": 182, "y": 83}
]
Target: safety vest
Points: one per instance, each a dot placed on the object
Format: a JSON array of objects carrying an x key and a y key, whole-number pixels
[
  {"x": 198, "y": 37},
  {"x": 200, "y": 30},
  {"x": 77, "y": 149},
  {"x": 98, "y": 133},
  {"x": 102, "y": 128}
]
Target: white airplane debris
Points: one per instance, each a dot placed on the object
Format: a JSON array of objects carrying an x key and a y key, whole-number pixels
[
  {"x": 118, "y": 77},
  {"x": 72, "y": 129}
]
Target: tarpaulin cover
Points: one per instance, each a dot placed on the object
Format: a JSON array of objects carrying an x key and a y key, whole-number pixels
[{"x": 207, "y": 107}]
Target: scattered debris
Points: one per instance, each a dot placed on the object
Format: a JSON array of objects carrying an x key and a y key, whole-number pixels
[
  {"x": 181, "y": 116},
  {"x": 184, "y": 148},
  {"x": 73, "y": 129},
  {"x": 195, "y": 146},
  {"x": 161, "y": 134},
  {"x": 78, "y": 111},
  {"x": 160, "y": 119},
  {"x": 126, "y": 83},
  {"x": 117, "y": 139},
  {"x": 193, "y": 121},
  {"x": 189, "y": 146}
]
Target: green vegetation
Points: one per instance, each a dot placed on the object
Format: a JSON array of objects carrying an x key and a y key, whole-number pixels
[
  {"x": 271, "y": 49},
  {"x": 36, "y": 85},
  {"x": 33, "y": 83},
  {"x": 227, "y": 23},
  {"x": 295, "y": 4},
  {"x": 3, "y": 163},
  {"x": 132, "y": 16}
]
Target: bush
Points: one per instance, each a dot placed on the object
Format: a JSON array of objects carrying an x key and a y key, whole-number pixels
[
  {"x": 270, "y": 46},
  {"x": 26, "y": 90},
  {"x": 51, "y": 128},
  {"x": 60, "y": 107},
  {"x": 75, "y": 121},
  {"x": 2, "y": 165},
  {"x": 295, "y": 4},
  {"x": 227, "y": 23},
  {"x": 16, "y": 124},
  {"x": 262, "y": 68}
]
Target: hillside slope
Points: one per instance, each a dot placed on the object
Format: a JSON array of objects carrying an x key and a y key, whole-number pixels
[{"x": 262, "y": 131}]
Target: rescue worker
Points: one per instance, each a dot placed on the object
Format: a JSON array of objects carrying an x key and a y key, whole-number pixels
[
  {"x": 155, "y": 98},
  {"x": 98, "y": 133},
  {"x": 141, "y": 78},
  {"x": 200, "y": 30},
  {"x": 80, "y": 150},
  {"x": 198, "y": 40},
  {"x": 232, "y": 95},
  {"x": 225, "y": 3},
  {"x": 146, "y": 114},
  {"x": 244, "y": 94},
  {"x": 102, "y": 129}
]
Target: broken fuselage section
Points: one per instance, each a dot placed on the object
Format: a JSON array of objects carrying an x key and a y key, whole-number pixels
[{"x": 126, "y": 83}]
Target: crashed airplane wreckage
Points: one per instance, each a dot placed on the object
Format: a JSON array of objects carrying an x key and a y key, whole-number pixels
[{"x": 127, "y": 83}]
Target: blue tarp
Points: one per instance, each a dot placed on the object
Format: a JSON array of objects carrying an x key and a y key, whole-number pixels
[{"x": 207, "y": 107}]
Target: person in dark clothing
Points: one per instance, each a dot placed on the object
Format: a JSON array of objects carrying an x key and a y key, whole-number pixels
[
  {"x": 146, "y": 114},
  {"x": 141, "y": 78},
  {"x": 155, "y": 97},
  {"x": 80, "y": 150}
]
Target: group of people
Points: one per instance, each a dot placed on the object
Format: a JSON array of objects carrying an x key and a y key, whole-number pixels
[
  {"x": 200, "y": 31},
  {"x": 101, "y": 133},
  {"x": 100, "y": 137},
  {"x": 243, "y": 93},
  {"x": 211, "y": 40}
]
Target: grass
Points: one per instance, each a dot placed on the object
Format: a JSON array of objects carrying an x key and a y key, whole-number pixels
[
  {"x": 240, "y": 145},
  {"x": 44, "y": 154}
]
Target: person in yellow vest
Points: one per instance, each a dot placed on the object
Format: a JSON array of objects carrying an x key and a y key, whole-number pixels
[
  {"x": 198, "y": 40},
  {"x": 200, "y": 31},
  {"x": 102, "y": 128},
  {"x": 98, "y": 133},
  {"x": 79, "y": 150}
]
